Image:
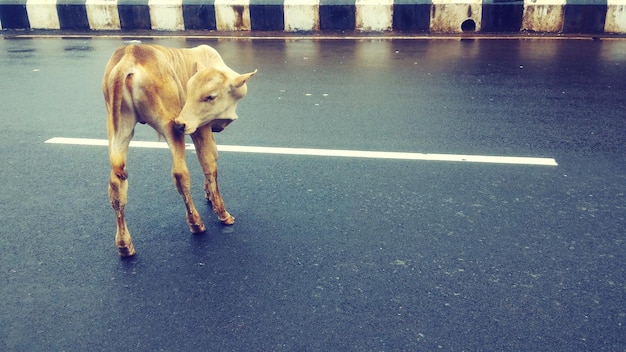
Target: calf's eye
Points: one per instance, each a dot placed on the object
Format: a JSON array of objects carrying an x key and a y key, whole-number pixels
[{"x": 209, "y": 97}]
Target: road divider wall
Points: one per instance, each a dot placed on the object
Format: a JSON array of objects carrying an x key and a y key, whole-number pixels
[{"x": 423, "y": 16}]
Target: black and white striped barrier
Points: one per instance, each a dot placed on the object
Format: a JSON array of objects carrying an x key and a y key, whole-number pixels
[{"x": 434, "y": 16}]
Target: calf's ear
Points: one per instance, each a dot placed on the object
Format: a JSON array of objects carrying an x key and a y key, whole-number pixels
[{"x": 242, "y": 79}]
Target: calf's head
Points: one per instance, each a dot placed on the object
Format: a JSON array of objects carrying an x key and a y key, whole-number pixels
[{"x": 212, "y": 97}]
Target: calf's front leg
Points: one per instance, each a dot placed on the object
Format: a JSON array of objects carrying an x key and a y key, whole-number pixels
[
  {"x": 206, "y": 149},
  {"x": 182, "y": 181}
]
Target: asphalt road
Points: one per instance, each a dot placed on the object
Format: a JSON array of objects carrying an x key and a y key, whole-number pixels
[{"x": 327, "y": 253}]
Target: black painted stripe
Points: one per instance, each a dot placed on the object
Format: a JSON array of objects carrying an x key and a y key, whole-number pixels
[
  {"x": 337, "y": 15},
  {"x": 585, "y": 16},
  {"x": 199, "y": 14},
  {"x": 73, "y": 15},
  {"x": 13, "y": 15},
  {"x": 502, "y": 16},
  {"x": 411, "y": 16},
  {"x": 267, "y": 15},
  {"x": 134, "y": 14}
]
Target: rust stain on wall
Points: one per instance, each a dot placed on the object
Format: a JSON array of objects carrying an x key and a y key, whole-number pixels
[
  {"x": 238, "y": 11},
  {"x": 232, "y": 17},
  {"x": 543, "y": 18}
]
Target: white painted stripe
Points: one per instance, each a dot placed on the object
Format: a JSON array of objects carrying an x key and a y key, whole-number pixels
[
  {"x": 615, "y": 19},
  {"x": 544, "y": 15},
  {"x": 42, "y": 14},
  {"x": 102, "y": 14},
  {"x": 166, "y": 15},
  {"x": 301, "y": 15},
  {"x": 447, "y": 16},
  {"x": 456, "y": 2},
  {"x": 331, "y": 152},
  {"x": 544, "y": 2},
  {"x": 374, "y": 15}
]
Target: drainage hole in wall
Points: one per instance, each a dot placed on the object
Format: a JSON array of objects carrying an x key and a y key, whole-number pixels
[{"x": 468, "y": 25}]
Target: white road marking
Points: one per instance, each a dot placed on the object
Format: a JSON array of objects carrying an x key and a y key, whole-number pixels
[{"x": 331, "y": 152}]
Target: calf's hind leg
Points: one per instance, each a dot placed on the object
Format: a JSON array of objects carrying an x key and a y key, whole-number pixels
[{"x": 118, "y": 191}]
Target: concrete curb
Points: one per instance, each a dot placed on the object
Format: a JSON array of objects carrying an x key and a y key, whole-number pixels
[{"x": 367, "y": 16}]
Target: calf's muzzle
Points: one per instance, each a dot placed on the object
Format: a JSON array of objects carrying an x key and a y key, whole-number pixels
[{"x": 179, "y": 127}]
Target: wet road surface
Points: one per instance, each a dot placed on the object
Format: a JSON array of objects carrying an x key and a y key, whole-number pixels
[{"x": 327, "y": 253}]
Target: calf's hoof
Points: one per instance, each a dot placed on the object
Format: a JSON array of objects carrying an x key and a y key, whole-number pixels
[
  {"x": 228, "y": 219},
  {"x": 126, "y": 251},
  {"x": 197, "y": 228}
]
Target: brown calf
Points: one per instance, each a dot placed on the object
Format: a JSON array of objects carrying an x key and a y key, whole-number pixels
[{"x": 177, "y": 92}]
